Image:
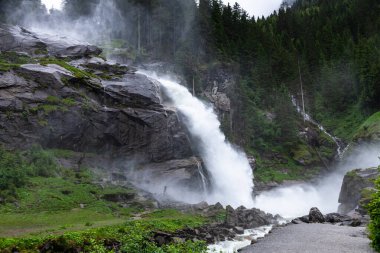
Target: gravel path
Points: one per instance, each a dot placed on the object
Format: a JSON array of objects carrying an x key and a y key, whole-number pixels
[{"x": 313, "y": 238}]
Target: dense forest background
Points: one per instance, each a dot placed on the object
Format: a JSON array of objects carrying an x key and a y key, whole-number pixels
[{"x": 333, "y": 46}]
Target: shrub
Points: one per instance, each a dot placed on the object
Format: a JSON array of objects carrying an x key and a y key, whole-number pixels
[
  {"x": 42, "y": 162},
  {"x": 374, "y": 212},
  {"x": 12, "y": 173}
]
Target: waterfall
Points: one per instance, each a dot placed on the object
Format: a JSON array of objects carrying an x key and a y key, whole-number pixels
[
  {"x": 340, "y": 149},
  {"x": 230, "y": 174}
]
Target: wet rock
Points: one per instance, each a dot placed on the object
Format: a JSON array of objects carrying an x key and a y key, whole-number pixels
[
  {"x": 231, "y": 217},
  {"x": 118, "y": 119},
  {"x": 247, "y": 218},
  {"x": 238, "y": 230},
  {"x": 14, "y": 38},
  {"x": 356, "y": 189},
  {"x": 119, "y": 197},
  {"x": 162, "y": 238},
  {"x": 336, "y": 218},
  {"x": 315, "y": 216}
]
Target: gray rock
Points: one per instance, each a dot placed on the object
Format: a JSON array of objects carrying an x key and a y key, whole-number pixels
[
  {"x": 120, "y": 120},
  {"x": 231, "y": 217},
  {"x": 315, "y": 216},
  {"x": 336, "y": 218},
  {"x": 356, "y": 188},
  {"x": 14, "y": 38},
  {"x": 247, "y": 218},
  {"x": 238, "y": 230}
]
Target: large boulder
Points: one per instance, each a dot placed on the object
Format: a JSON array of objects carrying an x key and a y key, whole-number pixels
[
  {"x": 356, "y": 189},
  {"x": 247, "y": 218},
  {"x": 315, "y": 216}
]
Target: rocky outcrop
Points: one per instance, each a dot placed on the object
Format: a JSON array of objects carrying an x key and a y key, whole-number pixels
[
  {"x": 356, "y": 190},
  {"x": 85, "y": 104},
  {"x": 18, "y": 39},
  {"x": 315, "y": 216},
  {"x": 248, "y": 218}
]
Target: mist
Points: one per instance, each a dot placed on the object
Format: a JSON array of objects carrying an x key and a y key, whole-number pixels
[
  {"x": 296, "y": 200},
  {"x": 159, "y": 30}
]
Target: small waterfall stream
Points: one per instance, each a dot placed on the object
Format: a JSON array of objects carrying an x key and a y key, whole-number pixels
[
  {"x": 202, "y": 175},
  {"x": 340, "y": 148}
]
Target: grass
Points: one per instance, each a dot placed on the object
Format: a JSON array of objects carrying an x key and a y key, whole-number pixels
[
  {"x": 46, "y": 222},
  {"x": 54, "y": 104},
  {"x": 369, "y": 129},
  {"x": 67, "y": 212},
  {"x": 343, "y": 124},
  {"x": 276, "y": 171},
  {"x": 131, "y": 237},
  {"x": 12, "y": 60}
]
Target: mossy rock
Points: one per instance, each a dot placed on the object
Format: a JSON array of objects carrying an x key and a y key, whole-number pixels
[{"x": 303, "y": 155}]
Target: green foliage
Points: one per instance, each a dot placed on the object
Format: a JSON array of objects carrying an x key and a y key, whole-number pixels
[
  {"x": 42, "y": 163},
  {"x": 134, "y": 237},
  {"x": 374, "y": 212},
  {"x": 54, "y": 104},
  {"x": 370, "y": 129},
  {"x": 12, "y": 60},
  {"x": 12, "y": 174}
]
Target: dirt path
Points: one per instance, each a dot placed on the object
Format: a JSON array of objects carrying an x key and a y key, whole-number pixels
[{"x": 313, "y": 238}]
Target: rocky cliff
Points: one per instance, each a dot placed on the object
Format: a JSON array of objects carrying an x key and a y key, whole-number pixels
[
  {"x": 357, "y": 187},
  {"x": 61, "y": 94}
]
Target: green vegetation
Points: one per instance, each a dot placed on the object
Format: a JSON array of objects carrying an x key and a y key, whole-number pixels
[
  {"x": 281, "y": 169},
  {"x": 12, "y": 60},
  {"x": 131, "y": 237},
  {"x": 78, "y": 73},
  {"x": 43, "y": 203},
  {"x": 54, "y": 104},
  {"x": 374, "y": 212},
  {"x": 370, "y": 129}
]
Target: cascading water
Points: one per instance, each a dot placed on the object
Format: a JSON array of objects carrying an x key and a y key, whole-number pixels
[
  {"x": 229, "y": 170},
  {"x": 307, "y": 117}
]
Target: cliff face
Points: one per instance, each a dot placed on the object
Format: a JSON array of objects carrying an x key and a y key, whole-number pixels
[
  {"x": 357, "y": 187},
  {"x": 60, "y": 94}
]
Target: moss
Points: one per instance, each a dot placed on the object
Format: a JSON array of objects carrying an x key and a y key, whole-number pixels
[
  {"x": 13, "y": 60},
  {"x": 8, "y": 66},
  {"x": 53, "y": 100},
  {"x": 69, "y": 102},
  {"x": 43, "y": 122},
  {"x": 352, "y": 174},
  {"x": 78, "y": 73}
]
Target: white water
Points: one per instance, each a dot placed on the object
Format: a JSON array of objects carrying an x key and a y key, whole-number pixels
[
  {"x": 229, "y": 170},
  {"x": 296, "y": 200},
  {"x": 240, "y": 241}
]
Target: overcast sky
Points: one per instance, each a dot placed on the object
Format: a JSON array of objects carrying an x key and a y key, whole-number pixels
[
  {"x": 258, "y": 7},
  {"x": 254, "y": 7}
]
